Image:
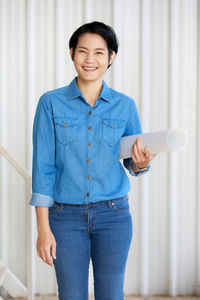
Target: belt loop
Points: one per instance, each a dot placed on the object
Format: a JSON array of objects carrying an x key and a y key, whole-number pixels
[{"x": 110, "y": 203}]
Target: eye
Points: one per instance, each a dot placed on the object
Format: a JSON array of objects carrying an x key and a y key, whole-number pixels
[
  {"x": 99, "y": 52},
  {"x": 82, "y": 51}
]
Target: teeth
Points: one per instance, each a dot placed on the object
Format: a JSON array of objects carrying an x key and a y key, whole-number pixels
[{"x": 89, "y": 68}]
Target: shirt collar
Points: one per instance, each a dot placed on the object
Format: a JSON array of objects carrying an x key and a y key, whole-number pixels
[{"x": 74, "y": 92}]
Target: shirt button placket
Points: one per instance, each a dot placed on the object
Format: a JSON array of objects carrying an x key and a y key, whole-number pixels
[{"x": 88, "y": 177}]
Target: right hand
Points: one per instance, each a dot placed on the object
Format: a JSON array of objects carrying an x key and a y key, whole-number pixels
[
  {"x": 141, "y": 158},
  {"x": 45, "y": 243}
]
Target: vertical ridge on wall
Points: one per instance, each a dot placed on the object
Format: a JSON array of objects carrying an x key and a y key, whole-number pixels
[
  {"x": 117, "y": 78},
  {"x": 30, "y": 108},
  {"x": 50, "y": 70},
  {"x": 187, "y": 91},
  {"x": 145, "y": 93},
  {"x": 60, "y": 9},
  {"x": 3, "y": 130},
  {"x": 31, "y": 74},
  {"x": 66, "y": 22},
  {"x": 87, "y": 10},
  {"x": 173, "y": 98},
  {"x": 197, "y": 289}
]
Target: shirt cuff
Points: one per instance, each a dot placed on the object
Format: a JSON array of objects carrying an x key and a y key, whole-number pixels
[
  {"x": 41, "y": 200},
  {"x": 139, "y": 173}
]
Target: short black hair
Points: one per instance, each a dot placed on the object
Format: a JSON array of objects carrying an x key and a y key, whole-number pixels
[{"x": 100, "y": 28}]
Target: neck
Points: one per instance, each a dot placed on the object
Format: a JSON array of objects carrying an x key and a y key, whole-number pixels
[{"x": 90, "y": 89}]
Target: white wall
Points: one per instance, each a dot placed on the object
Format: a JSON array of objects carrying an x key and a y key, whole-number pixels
[{"x": 158, "y": 65}]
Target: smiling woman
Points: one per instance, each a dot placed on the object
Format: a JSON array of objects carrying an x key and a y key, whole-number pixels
[
  {"x": 91, "y": 57},
  {"x": 91, "y": 60},
  {"x": 80, "y": 188}
]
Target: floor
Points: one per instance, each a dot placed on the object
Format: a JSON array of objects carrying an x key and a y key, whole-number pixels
[
  {"x": 126, "y": 298},
  {"x": 134, "y": 298}
]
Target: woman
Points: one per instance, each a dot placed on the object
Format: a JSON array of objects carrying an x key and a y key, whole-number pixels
[{"x": 80, "y": 188}]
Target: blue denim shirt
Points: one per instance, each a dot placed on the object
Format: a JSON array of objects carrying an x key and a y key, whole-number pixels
[{"x": 76, "y": 146}]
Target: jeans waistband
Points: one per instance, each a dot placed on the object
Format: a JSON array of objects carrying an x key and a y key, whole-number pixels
[{"x": 92, "y": 203}]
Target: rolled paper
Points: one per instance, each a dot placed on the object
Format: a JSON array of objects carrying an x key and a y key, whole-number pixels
[{"x": 160, "y": 141}]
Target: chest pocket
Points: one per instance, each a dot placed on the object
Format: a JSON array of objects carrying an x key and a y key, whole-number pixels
[
  {"x": 66, "y": 129},
  {"x": 112, "y": 130}
]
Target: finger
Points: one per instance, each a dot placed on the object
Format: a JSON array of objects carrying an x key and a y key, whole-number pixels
[
  {"x": 45, "y": 258},
  {"x": 135, "y": 152},
  {"x": 138, "y": 143},
  {"x": 132, "y": 152},
  {"x": 42, "y": 256},
  {"x": 147, "y": 152},
  {"x": 48, "y": 257},
  {"x": 140, "y": 149},
  {"x": 133, "y": 157},
  {"x": 53, "y": 250}
]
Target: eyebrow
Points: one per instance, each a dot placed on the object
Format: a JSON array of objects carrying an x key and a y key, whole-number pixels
[{"x": 94, "y": 49}]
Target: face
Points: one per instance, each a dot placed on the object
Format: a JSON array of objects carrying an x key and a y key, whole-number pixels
[{"x": 91, "y": 57}]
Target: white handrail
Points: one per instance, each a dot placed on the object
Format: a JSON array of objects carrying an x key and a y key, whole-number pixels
[
  {"x": 30, "y": 255},
  {"x": 14, "y": 163}
]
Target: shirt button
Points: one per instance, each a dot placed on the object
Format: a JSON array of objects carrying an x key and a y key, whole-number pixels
[
  {"x": 89, "y": 113},
  {"x": 89, "y": 160},
  {"x": 65, "y": 123},
  {"x": 88, "y": 194},
  {"x": 89, "y": 127},
  {"x": 88, "y": 177},
  {"x": 89, "y": 144},
  {"x": 114, "y": 125}
]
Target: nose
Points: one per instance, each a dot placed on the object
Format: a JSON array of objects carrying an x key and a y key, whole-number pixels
[{"x": 89, "y": 57}]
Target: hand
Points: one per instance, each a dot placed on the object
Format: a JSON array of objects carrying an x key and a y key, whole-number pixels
[
  {"x": 140, "y": 158},
  {"x": 45, "y": 242}
]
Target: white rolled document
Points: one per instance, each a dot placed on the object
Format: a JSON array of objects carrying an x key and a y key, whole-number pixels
[{"x": 160, "y": 141}]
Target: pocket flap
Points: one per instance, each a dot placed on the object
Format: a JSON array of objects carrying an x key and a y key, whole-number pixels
[
  {"x": 114, "y": 123},
  {"x": 66, "y": 121}
]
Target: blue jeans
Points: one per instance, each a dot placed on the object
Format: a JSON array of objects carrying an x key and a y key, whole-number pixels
[{"x": 102, "y": 231}]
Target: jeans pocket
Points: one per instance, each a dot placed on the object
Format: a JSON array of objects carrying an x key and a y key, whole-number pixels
[
  {"x": 55, "y": 208},
  {"x": 120, "y": 204}
]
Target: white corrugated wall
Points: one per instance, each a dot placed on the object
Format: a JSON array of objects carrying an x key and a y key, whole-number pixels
[{"x": 158, "y": 65}]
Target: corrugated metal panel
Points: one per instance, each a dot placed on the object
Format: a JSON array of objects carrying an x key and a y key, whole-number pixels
[{"x": 158, "y": 65}]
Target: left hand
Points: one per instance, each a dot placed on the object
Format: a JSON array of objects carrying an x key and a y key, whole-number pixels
[{"x": 141, "y": 158}]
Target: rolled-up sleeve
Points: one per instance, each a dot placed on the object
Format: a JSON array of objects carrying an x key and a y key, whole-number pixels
[
  {"x": 43, "y": 163},
  {"x": 133, "y": 126}
]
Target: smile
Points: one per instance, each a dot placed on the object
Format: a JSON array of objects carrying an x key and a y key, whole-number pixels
[{"x": 89, "y": 68}]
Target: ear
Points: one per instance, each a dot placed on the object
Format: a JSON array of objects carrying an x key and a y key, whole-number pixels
[
  {"x": 112, "y": 57},
  {"x": 71, "y": 53}
]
